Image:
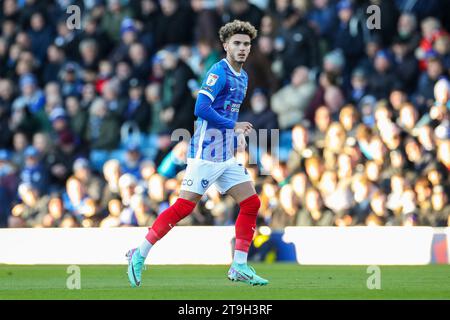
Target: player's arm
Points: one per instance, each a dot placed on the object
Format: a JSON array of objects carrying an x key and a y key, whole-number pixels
[
  {"x": 211, "y": 87},
  {"x": 204, "y": 110}
]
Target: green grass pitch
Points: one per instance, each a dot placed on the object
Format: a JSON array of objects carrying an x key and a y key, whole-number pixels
[{"x": 287, "y": 281}]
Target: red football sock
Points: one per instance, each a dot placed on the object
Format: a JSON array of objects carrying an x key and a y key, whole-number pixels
[
  {"x": 169, "y": 218},
  {"x": 246, "y": 222}
]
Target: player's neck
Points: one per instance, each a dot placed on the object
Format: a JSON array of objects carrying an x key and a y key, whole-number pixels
[{"x": 235, "y": 65}]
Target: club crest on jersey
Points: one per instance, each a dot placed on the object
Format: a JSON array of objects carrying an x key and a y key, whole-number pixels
[{"x": 212, "y": 79}]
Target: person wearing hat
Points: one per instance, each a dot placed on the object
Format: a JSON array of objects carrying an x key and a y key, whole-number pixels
[
  {"x": 112, "y": 20},
  {"x": 64, "y": 137},
  {"x": 359, "y": 85},
  {"x": 132, "y": 160},
  {"x": 383, "y": 79},
  {"x": 138, "y": 110},
  {"x": 31, "y": 96},
  {"x": 58, "y": 118},
  {"x": 61, "y": 158},
  {"x": 70, "y": 81},
  {"x": 334, "y": 62},
  {"x": 128, "y": 36},
  {"x": 34, "y": 171},
  {"x": 349, "y": 35}
]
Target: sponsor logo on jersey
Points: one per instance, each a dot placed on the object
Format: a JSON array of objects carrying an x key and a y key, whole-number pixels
[
  {"x": 233, "y": 107},
  {"x": 207, "y": 88}
]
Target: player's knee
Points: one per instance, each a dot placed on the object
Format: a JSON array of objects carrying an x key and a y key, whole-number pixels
[{"x": 251, "y": 205}]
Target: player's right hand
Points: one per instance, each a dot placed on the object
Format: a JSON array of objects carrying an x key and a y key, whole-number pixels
[
  {"x": 243, "y": 127},
  {"x": 241, "y": 143}
]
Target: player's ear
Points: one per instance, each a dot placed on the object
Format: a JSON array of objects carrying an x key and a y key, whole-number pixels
[{"x": 225, "y": 46}]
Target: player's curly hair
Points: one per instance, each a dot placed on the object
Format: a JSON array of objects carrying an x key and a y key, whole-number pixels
[{"x": 237, "y": 27}]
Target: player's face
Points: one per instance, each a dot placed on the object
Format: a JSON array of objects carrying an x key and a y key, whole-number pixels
[{"x": 238, "y": 47}]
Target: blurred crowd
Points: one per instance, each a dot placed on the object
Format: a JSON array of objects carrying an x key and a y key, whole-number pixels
[{"x": 87, "y": 112}]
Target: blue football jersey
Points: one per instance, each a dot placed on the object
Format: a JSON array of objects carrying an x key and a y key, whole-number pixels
[{"x": 226, "y": 88}]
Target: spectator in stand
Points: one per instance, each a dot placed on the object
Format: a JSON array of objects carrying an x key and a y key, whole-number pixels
[
  {"x": 323, "y": 18},
  {"x": 132, "y": 161},
  {"x": 260, "y": 114},
  {"x": 245, "y": 11},
  {"x": 290, "y": 102},
  {"x": 295, "y": 42},
  {"x": 406, "y": 66},
  {"x": 407, "y": 30},
  {"x": 83, "y": 172},
  {"x": 431, "y": 29},
  {"x": 113, "y": 17},
  {"x": 31, "y": 96},
  {"x": 428, "y": 78},
  {"x": 176, "y": 96},
  {"x": 32, "y": 208},
  {"x": 8, "y": 186},
  {"x": 56, "y": 213},
  {"x": 349, "y": 35},
  {"x": 137, "y": 110},
  {"x": 168, "y": 31},
  {"x": 383, "y": 79},
  {"x": 34, "y": 171},
  {"x": 103, "y": 128}
]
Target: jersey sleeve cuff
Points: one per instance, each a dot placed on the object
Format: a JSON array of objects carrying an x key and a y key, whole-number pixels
[{"x": 206, "y": 93}]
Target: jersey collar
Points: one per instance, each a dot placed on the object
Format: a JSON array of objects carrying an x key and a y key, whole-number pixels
[{"x": 231, "y": 68}]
